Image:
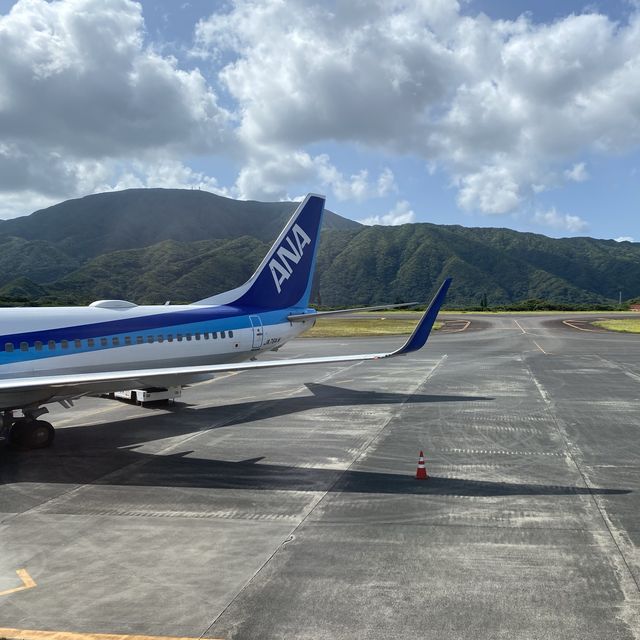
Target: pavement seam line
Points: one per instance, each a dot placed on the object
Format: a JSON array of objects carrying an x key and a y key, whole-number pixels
[
  {"x": 549, "y": 403},
  {"x": 363, "y": 450},
  {"x": 614, "y": 365},
  {"x": 452, "y": 525}
]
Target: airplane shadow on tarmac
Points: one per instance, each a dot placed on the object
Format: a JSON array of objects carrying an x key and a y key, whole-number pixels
[{"x": 105, "y": 454}]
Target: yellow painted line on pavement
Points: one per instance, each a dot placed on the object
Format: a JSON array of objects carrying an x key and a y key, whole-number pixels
[
  {"x": 445, "y": 330},
  {"x": 27, "y": 583},
  {"x": 33, "y": 634},
  {"x": 575, "y": 326}
]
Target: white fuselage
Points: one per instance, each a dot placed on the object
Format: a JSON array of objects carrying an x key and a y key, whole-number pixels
[{"x": 59, "y": 340}]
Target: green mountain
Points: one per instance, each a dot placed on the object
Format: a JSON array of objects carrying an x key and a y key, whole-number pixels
[
  {"x": 134, "y": 218},
  {"x": 169, "y": 270},
  {"x": 153, "y": 245},
  {"x": 407, "y": 262}
]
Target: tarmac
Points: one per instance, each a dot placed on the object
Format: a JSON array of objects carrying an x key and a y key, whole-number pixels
[{"x": 284, "y": 504}]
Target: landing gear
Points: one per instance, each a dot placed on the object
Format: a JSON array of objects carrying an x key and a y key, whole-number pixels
[
  {"x": 31, "y": 434},
  {"x": 28, "y": 432}
]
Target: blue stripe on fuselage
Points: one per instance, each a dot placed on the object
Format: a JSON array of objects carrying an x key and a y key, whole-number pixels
[
  {"x": 144, "y": 323},
  {"x": 204, "y": 319}
]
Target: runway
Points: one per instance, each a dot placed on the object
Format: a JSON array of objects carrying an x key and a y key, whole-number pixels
[{"x": 284, "y": 504}]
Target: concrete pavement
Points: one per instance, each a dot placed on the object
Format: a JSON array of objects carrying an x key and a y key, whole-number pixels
[{"x": 277, "y": 505}]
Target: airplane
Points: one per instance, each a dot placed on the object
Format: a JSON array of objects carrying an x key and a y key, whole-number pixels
[{"x": 58, "y": 354}]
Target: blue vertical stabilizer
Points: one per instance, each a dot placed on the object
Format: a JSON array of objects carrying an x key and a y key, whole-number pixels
[{"x": 283, "y": 279}]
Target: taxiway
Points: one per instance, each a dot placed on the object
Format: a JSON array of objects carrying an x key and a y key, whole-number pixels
[{"x": 284, "y": 505}]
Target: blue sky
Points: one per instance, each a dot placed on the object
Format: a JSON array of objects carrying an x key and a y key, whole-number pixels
[{"x": 481, "y": 113}]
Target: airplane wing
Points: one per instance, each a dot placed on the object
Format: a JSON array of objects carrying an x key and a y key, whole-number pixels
[{"x": 56, "y": 387}]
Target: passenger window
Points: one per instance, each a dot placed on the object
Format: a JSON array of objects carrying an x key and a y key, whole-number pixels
[
  {"x": 150, "y": 339},
  {"x": 63, "y": 343},
  {"x": 127, "y": 339},
  {"x": 103, "y": 342},
  {"x": 214, "y": 335},
  {"x": 231, "y": 334},
  {"x": 115, "y": 341},
  {"x": 8, "y": 347},
  {"x": 222, "y": 335},
  {"x": 197, "y": 336},
  {"x": 188, "y": 336},
  {"x": 170, "y": 338},
  {"x": 77, "y": 344},
  {"x": 91, "y": 342},
  {"x": 139, "y": 339},
  {"x": 38, "y": 345},
  {"x": 160, "y": 338},
  {"x": 206, "y": 335},
  {"x": 52, "y": 345},
  {"x": 179, "y": 337}
]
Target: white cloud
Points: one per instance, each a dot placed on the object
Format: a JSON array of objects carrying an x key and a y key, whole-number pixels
[
  {"x": 85, "y": 177},
  {"x": 561, "y": 221},
  {"x": 624, "y": 239},
  {"x": 493, "y": 189},
  {"x": 400, "y": 214},
  {"x": 77, "y": 77},
  {"x": 501, "y": 105},
  {"x": 167, "y": 173},
  {"x": 357, "y": 187},
  {"x": 268, "y": 173},
  {"x": 80, "y": 92},
  {"x": 386, "y": 183},
  {"x": 24, "y": 202},
  {"x": 346, "y": 71},
  {"x": 577, "y": 173}
]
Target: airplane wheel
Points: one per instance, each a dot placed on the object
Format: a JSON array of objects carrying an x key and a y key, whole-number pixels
[
  {"x": 31, "y": 434},
  {"x": 16, "y": 435},
  {"x": 40, "y": 434}
]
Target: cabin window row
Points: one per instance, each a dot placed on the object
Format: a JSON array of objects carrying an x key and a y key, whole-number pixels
[{"x": 51, "y": 345}]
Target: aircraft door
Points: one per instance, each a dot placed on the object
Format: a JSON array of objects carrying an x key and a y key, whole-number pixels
[{"x": 258, "y": 332}]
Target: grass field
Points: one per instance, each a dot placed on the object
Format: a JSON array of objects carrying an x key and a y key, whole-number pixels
[
  {"x": 390, "y": 312},
  {"x": 628, "y": 325},
  {"x": 532, "y": 313},
  {"x": 362, "y": 327}
]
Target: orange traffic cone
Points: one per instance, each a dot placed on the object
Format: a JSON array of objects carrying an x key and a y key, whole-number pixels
[{"x": 421, "y": 473}]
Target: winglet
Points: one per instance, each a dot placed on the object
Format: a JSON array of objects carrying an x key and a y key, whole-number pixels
[{"x": 421, "y": 332}]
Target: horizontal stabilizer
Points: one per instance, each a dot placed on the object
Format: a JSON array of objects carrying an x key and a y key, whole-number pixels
[{"x": 298, "y": 317}]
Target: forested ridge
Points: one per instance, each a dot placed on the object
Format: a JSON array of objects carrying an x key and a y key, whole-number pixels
[{"x": 153, "y": 245}]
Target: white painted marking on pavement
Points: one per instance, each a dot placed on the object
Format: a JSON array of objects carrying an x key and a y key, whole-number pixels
[{"x": 541, "y": 349}]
